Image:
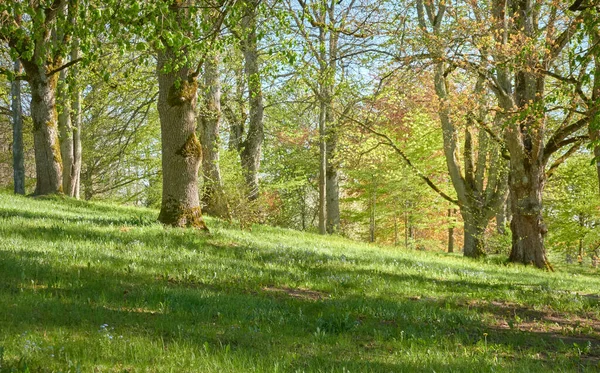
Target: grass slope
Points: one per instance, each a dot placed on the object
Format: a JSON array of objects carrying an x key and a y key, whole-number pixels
[{"x": 89, "y": 287}]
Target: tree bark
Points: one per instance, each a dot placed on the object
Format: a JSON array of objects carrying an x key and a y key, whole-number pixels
[
  {"x": 38, "y": 65},
  {"x": 594, "y": 126},
  {"x": 252, "y": 145},
  {"x": 333, "y": 188},
  {"x": 373, "y": 203},
  {"x": 65, "y": 132},
  {"x": 75, "y": 125},
  {"x": 48, "y": 162},
  {"x": 525, "y": 142},
  {"x": 474, "y": 230},
  {"x": 450, "y": 232},
  {"x": 213, "y": 195},
  {"x": 181, "y": 150},
  {"x": 332, "y": 174},
  {"x": 17, "y": 146},
  {"x": 476, "y": 198}
]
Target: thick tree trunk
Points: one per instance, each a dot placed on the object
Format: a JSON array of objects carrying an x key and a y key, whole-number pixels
[
  {"x": 181, "y": 150},
  {"x": 525, "y": 143},
  {"x": 17, "y": 146},
  {"x": 213, "y": 195},
  {"x": 65, "y": 132},
  {"x": 48, "y": 162},
  {"x": 251, "y": 152},
  {"x": 527, "y": 226},
  {"x": 474, "y": 230}
]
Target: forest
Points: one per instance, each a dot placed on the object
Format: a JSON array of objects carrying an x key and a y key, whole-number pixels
[{"x": 311, "y": 141}]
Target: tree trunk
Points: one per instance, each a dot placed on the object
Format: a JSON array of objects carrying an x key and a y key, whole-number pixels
[
  {"x": 251, "y": 152},
  {"x": 501, "y": 217},
  {"x": 474, "y": 230},
  {"x": 213, "y": 195},
  {"x": 526, "y": 184},
  {"x": 450, "y": 232},
  {"x": 48, "y": 162},
  {"x": 76, "y": 125},
  {"x": 181, "y": 150},
  {"x": 333, "y": 188},
  {"x": 65, "y": 132},
  {"x": 17, "y": 146},
  {"x": 594, "y": 106},
  {"x": 372, "y": 212},
  {"x": 332, "y": 174},
  {"x": 525, "y": 142},
  {"x": 322, "y": 172}
]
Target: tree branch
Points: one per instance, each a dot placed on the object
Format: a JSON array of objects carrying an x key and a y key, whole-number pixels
[
  {"x": 563, "y": 158},
  {"x": 389, "y": 142},
  {"x": 558, "y": 138},
  {"x": 65, "y": 66}
]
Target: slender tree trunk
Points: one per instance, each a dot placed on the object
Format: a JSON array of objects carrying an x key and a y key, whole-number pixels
[
  {"x": 238, "y": 114},
  {"x": 332, "y": 174},
  {"x": 395, "y": 228},
  {"x": 594, "y": 105},
  {"x": 17, "y": 146},
  {"x": 594, "y": 132},
  {"x": 181, "y": 150},
  {"x": 213, "y": 195},
  {"x": 252, "y": 145},
  {"x": 450, "y": 233},
  {"x": 333, "y": 188},
  {"x": 65, "y": 131},
  {"x": 48, "y": 162},
  {"x": 501, "y": 217},
  {"x": 322, "y": 172},
  {"x": 372, "y": 212},
  {"x": 75, "y": 124}
]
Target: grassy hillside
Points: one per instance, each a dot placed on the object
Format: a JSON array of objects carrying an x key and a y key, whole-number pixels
[{"x": 100, "y": 288}]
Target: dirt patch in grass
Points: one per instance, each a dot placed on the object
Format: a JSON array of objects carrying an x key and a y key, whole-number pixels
[
  {"x": 509, "y": 315},
  {"x": 574, "y": 329},
  {"x": 304, "y": 294}
]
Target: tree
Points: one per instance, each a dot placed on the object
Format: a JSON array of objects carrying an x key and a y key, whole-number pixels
[
  {"x": 527, "y": 131},
  {"x": 251, "y": 147},
  {"x": 17, "y": 120},
  {"x": 213, "y": 195},
  {"x": 69, "y": 125},
  {"x": 29, "y": 34}
]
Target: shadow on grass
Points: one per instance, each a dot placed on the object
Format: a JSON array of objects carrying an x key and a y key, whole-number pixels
[
  {"x": 35, "y": 295},
  {"x": 255, "y": 314},
  {"x": 57, "y": 217}
]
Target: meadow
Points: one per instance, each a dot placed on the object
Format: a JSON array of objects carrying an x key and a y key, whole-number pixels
[{"x": 95, "y": 287}]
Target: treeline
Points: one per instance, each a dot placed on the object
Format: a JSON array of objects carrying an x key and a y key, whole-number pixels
[{"x": 413, "y": 123}]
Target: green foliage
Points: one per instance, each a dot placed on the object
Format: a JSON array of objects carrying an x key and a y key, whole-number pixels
[
  {"x": 573, "y": 208},
  {"x": 92, "y": 286},
  {"x": 120, "y": 137}
]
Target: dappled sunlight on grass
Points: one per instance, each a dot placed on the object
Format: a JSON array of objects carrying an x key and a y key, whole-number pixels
[{"x": 94, "y": 287}]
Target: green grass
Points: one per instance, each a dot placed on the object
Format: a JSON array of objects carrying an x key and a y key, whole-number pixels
[{"x": 90, "y": 287}]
